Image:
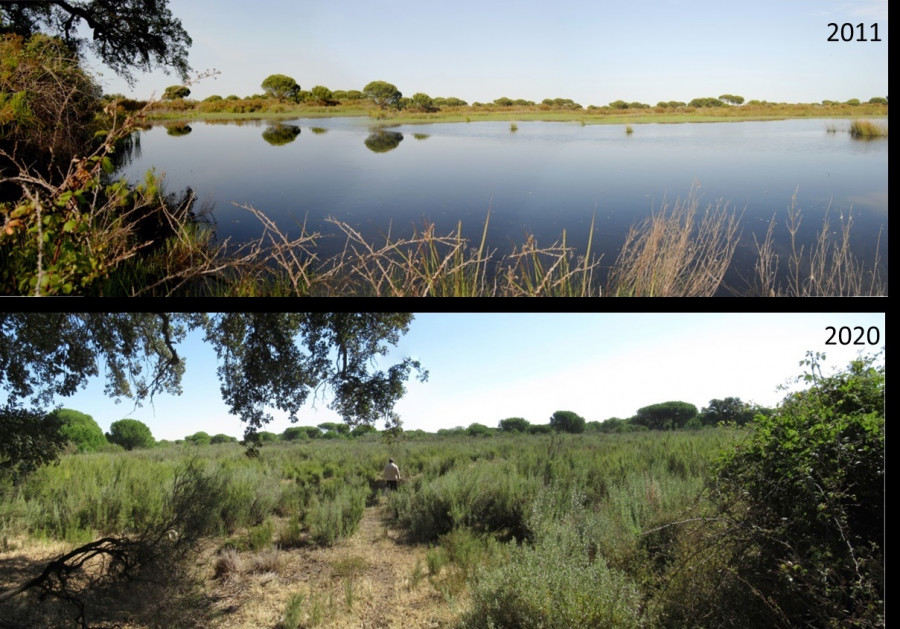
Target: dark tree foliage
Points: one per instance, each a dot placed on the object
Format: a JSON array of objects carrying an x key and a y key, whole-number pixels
[
  {"x": 514, "y": 424},
  {"x": 281, "y": 86},
  {"x": 479, "y": 430},
  {"x": 200, "y": 438},
  {"x": 281, "y": 134},
  {"x": 567, "y": 421},
  {"x": 363, "y": 429},
  {"x": 730, "y": 410},
  {"x": 665, "y": 416},
  {"x": 423, "y": 102},
  {"x": 174, "y": 92},
  {"x": 266, "y": 360},
  {"x": 28, "y": 439},
  {"x": 323, "y": 95},
  {"x": 383, "y": 141},
  {"x": 383, "y": 94},
  {"x": 127, "y": 35},
  {"x": 131, "y": 434},
  {"x": 44, "y": 355},
  {"x": 808, "y": 490},
  {"x": 615, "y": 424},
  {"x": 706, "y": 102},
  {"x": 292, "y": 433}
]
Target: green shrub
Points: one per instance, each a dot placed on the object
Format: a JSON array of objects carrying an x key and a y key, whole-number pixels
[
  {"x": 130, "y": 434},
  {"x": 260, "y": 537},
  {"x": 291, "y": 536},
  {"x": 558, "y": 582},
  {"x": 251, "y": 496},
  {"x": 800, "y": 535},
  {"x": 330, "y": 519},
  {"x": 485, "y": 497},
  {"x": 436, "y": 558},
  {"x": 80, "y": 429},
  {"x": 200, "y": 438},
  {"x": 293, "y": 612}
]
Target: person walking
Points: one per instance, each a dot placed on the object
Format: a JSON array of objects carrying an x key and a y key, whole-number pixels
[{"x": 391, "y": 474}]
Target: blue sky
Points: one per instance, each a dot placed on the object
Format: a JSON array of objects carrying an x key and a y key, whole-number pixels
[
  {"x": 592, "y": 51},
  {"x": 486, "y": 367}
]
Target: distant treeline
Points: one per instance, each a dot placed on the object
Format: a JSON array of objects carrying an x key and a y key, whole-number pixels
[
  {"x": 281, "y": 90},
  {"x": 86, "y": 436}
]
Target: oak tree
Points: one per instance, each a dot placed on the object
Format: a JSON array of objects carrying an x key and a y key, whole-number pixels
[
  {"x": 127, "y": 35},
  {"x": 267, "y": 360}
]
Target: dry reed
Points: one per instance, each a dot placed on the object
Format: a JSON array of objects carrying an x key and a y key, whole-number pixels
[
  {"x": 826, "y": 268},
  {"x": 676, "y": 252},
  {"x": 867, "y": 130}
]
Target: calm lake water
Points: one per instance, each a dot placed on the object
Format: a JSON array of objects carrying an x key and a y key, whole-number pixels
[{"x": 544, "y": 178}]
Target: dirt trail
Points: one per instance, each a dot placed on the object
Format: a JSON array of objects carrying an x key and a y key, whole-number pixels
[{"x": 372, "y": 580}]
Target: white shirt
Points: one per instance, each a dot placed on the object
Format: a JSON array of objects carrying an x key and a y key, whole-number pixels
[{"x": 391, "y": 472}]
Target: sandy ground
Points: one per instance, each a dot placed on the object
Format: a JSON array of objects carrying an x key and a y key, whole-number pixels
[{"x": 372, "y": 580}]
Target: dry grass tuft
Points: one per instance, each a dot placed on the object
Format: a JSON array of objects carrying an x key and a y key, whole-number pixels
[
  {"x": 677, "y": 252},
  {"x": 428, "y": 265},
  {"x": 867, "y": 130},
  {"x": 270, "y": 560},
  {"x": 228, "y": 564},
  {"x": 827, "y": 268}
]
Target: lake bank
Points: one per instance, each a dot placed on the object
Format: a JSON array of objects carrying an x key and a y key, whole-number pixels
[{"x": 536, "y": 114}]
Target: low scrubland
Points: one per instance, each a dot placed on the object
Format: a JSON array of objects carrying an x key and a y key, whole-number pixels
[
  {"x": 778, "y": 523},
  {"x": 261, "y": 107}
]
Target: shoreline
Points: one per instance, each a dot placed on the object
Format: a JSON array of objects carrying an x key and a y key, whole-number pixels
[{"x": 584, "y": 118}]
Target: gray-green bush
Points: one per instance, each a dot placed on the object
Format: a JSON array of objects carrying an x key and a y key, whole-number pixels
[
  {"x": 485, "y": 497},
  {"x": 558, "y": 582}
]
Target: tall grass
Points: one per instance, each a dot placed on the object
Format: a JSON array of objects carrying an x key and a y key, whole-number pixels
[
  {"x": 336, "y": 516},
  {"x": 483, "y": 497},
  {"x": 826, "y": 268},
  {"x": 429, "y": 265},
  {"x": 678, "y": 251},
  {"x": 90, "y": 495},
  {"x": 867, "y": 130}
]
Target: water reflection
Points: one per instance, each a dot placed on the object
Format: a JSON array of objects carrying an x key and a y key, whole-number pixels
[
  {"x": 177, "y": 129},
  {"x": 281, "y": 134},
  {"x": 383, "y": 141},
  {"x": 545, "y": 179}
]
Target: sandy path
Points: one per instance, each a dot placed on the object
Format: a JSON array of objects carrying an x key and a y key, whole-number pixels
[{"x": 372, "y": 580}]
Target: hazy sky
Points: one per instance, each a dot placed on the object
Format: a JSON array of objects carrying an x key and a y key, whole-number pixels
[
  {"x": 592, "y": 51},
  {"x": 486, "y": 367}
]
